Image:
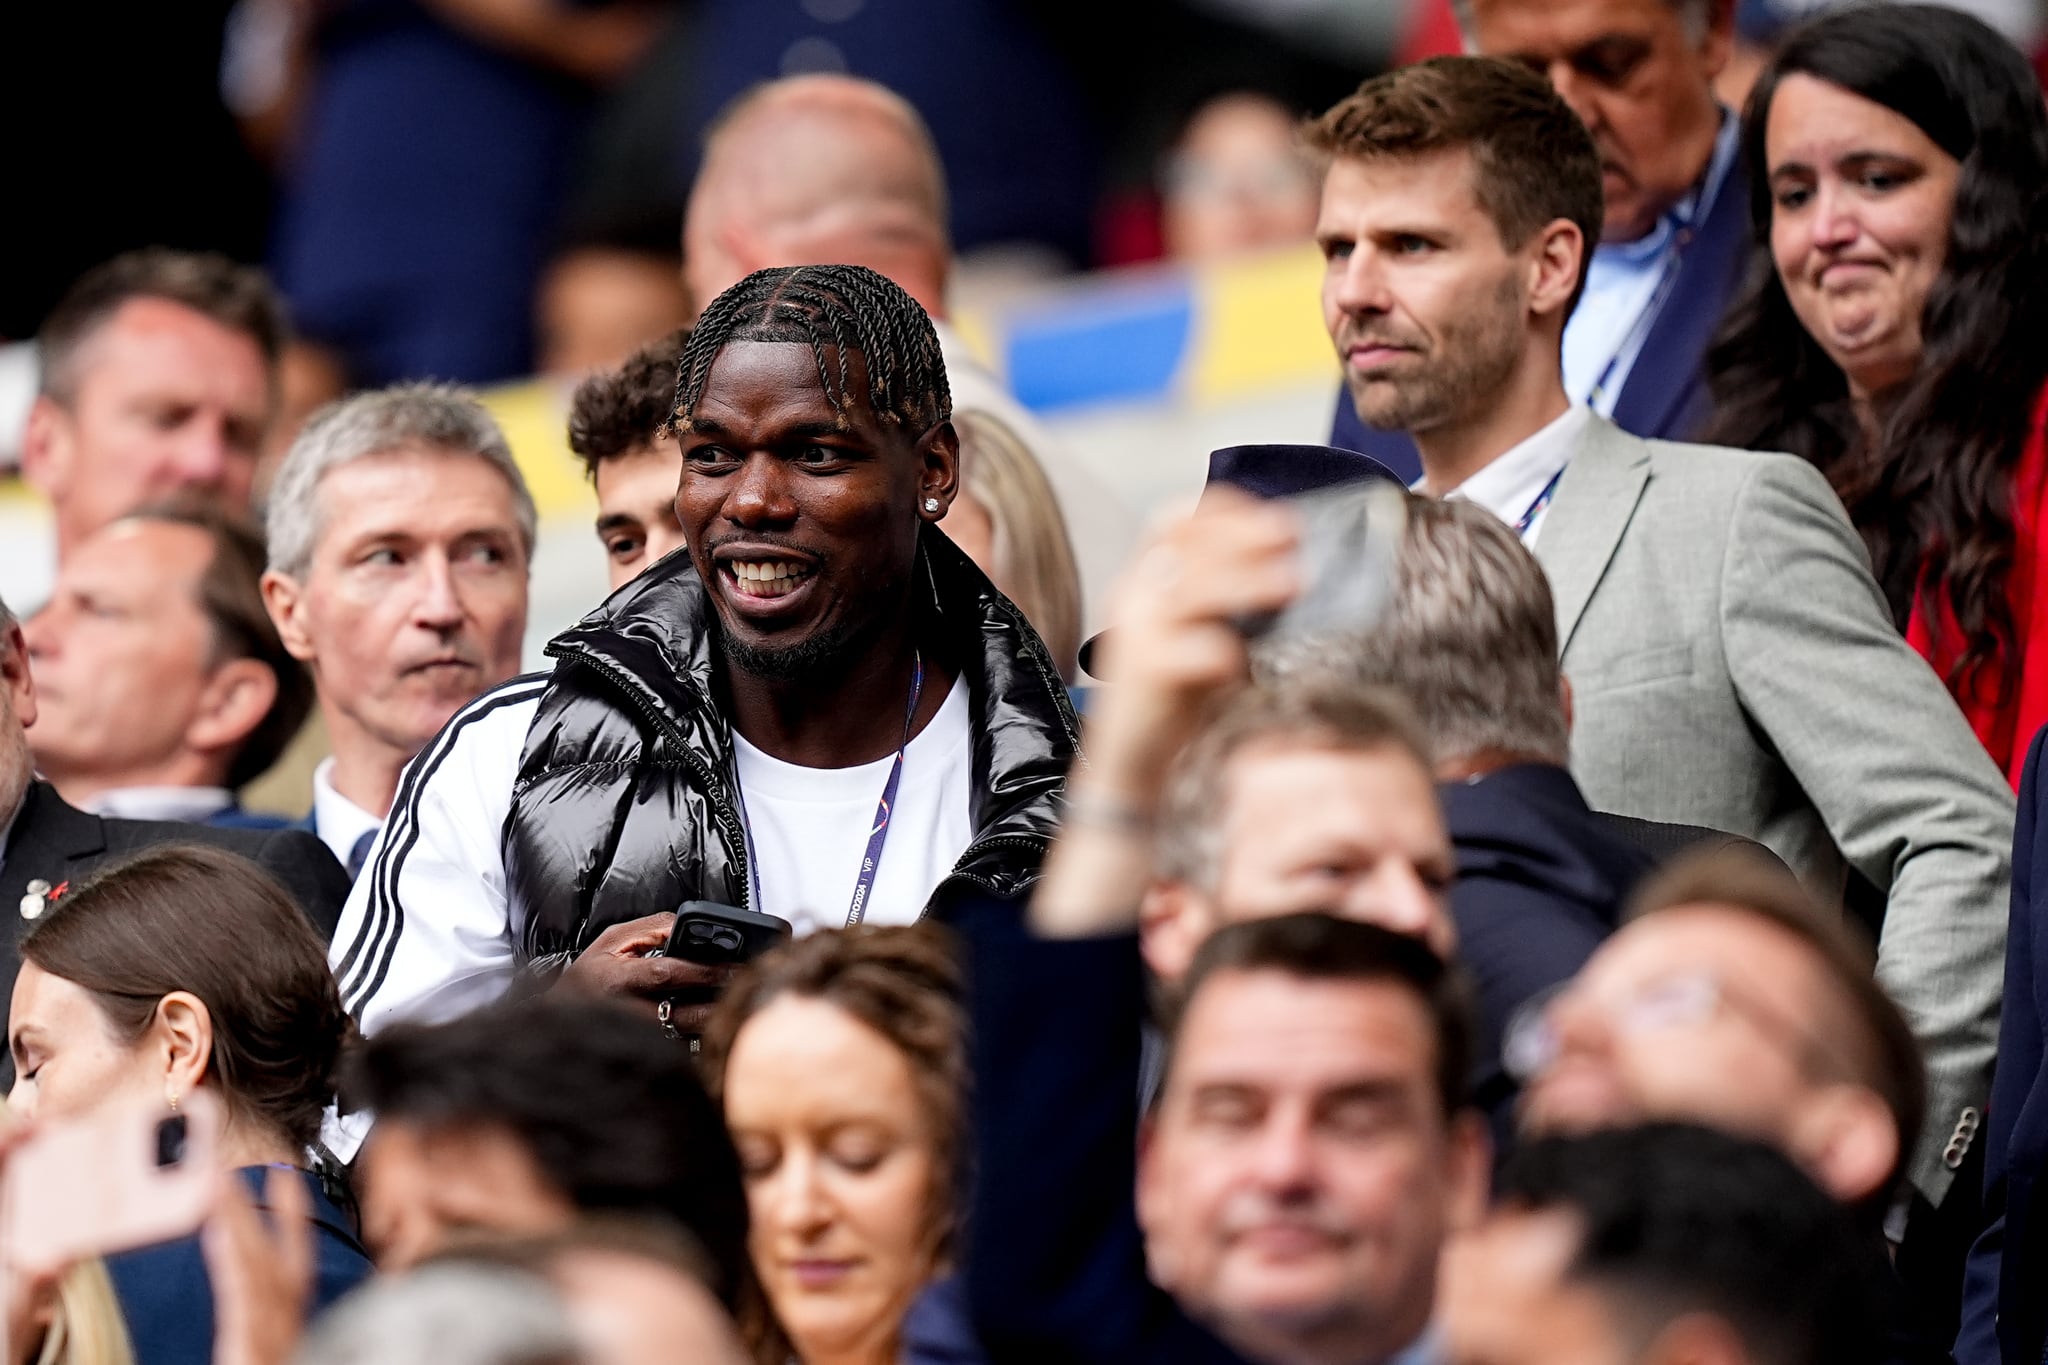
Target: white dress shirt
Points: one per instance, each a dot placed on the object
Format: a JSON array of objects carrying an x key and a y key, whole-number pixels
[
  {"x": 1510, "y": 486},
  {"x": 338, "y": 821},
  {"x": 188, "y": 805}
]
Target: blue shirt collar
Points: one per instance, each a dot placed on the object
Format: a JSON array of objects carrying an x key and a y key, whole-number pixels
[{"x": 1690, "y": 207}]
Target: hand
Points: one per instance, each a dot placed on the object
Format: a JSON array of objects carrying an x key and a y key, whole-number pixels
[
  {"x": 617, "y": 964},
  {"x": 1175, "y": 646},
  {"x": 1174, "y": 650},
  {"x": 262, "y": 1276}
]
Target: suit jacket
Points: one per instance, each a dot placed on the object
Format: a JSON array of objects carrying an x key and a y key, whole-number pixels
[
  {"x": 2005, "y": 1315},
  {"x": 1665, "y": 396},
  {"x": 57, "y": 843},
  {"x": 1734, "y": 665},
  {"x": 1541, "y": 882},
  {"x": 1055, "y": 1261}
]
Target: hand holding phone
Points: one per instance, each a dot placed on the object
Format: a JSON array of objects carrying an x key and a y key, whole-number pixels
[
  {"x": 131, "y": 1177},
  {"x": 715, "y": 934}
]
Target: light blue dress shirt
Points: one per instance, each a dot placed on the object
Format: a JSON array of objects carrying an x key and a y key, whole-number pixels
[{"x": 1627, "y": 281}]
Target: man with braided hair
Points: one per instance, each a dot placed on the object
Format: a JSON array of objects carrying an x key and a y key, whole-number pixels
[{"x": 822, "y": 711}]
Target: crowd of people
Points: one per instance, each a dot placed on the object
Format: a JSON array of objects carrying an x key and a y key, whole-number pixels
[{"x": 1516, "y": 885}]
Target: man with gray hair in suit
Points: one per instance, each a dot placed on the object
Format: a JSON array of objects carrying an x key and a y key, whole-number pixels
[
  {"x": 401, "y": 535},
  {"x": 1732, "y": 662}
]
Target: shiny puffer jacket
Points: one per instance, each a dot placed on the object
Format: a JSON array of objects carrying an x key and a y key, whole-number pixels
[{"x": 625, "y": 805}]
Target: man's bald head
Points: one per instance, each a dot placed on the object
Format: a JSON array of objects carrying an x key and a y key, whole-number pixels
[{"x": 818, "y": 170}]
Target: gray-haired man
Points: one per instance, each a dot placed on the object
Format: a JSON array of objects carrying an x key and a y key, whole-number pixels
[{"x": 400, "y": 538}]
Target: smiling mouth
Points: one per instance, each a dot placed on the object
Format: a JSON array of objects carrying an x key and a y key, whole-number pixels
[{"x": 764, "y": 578}]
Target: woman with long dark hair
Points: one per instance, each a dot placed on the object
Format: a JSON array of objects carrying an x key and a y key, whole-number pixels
[{"x": 1892, "y": 332}]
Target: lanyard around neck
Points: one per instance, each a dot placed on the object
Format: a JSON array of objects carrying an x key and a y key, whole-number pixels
[
  {"x": 871, "y": 860},
  {"x": 1535, "y": 510},
  {"x": 1682, "y": 235}
]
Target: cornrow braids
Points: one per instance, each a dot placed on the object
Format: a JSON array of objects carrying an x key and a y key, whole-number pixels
[{"x": 843, "y": 308}]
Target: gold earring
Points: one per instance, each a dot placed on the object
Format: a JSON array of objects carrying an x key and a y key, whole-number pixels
[{"x": 172, "y": 1097}]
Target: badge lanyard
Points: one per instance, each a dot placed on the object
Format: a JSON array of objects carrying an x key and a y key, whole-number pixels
[
  {"x": 1528, "y": 518},
  {"x": 877, "y": 837},
  {"x": 1667, "y": 282}
]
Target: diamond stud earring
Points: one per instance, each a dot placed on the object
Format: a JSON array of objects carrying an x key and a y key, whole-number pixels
[{"x": 931, "y": 504}]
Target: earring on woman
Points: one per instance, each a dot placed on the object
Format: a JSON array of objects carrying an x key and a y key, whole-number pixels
[{"x": 171, "y": 1098}]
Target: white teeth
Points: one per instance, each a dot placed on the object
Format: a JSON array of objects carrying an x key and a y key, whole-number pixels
[{"x": 765, "y": 571}]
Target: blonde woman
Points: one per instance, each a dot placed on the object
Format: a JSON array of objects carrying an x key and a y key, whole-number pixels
[{"x": 1009, "y": 522}]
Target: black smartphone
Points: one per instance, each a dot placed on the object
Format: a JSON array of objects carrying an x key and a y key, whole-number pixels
[{"x": 715, "y": 934}]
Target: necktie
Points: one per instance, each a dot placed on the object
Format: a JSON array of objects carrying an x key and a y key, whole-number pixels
[{"x": 360, "y": 854}]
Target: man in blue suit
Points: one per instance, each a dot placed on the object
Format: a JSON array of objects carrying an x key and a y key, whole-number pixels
[
  {"x": 2005, "y": 1315},
  {"x": 1675, "y": 239}
]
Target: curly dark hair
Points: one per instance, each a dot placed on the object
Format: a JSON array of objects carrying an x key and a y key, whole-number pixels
[
  {"x": 843, "y": 308},
  {"x": 616, "y": 412},
  {"x": 1932, "y": 494}
]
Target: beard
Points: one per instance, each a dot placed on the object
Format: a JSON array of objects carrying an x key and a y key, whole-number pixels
[
  {"x": 1472, "y": 360},
  {"x": 794, "y": 662}
]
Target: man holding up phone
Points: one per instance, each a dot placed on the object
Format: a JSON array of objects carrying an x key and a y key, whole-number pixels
[{"x": 823, "y": 712}]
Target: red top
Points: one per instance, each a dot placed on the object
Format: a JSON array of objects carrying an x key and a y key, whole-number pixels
[{"x": 2008, "y": 727}]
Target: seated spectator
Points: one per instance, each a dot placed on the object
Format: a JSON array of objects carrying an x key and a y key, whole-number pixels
[
  {"x": 1235, "y": 180},
  {"x": 178, "y": 970},
  {"x": 841, "y": 1064},
  {"x": 1270, "y": 1219},
  {"x": 158, "y": 377},
  {"x": 48, "y": 844},
  {"x": 1658, "y": 1243},
  {"x": 1730, "y": 998},
  {"x": 1731, "y": 660},
  {"x": 161, "y": 686},
  {"x": 1898, "y": 164},
  {"x": 818, "y": 169},
  {"x": 401, "y": 536},
  {"x": 518, "y": 1118},
  {"x": 722, "y": 729},
  {"x": 1008, "y": 520},
  {"x": 616, "y": 427}
]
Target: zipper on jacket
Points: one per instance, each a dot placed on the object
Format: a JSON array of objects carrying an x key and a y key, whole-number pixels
[
  {"x": 1023, "y": 841},
  {"x": 713, "y": 788}
]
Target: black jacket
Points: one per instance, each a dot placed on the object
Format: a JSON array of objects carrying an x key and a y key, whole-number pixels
[{"x": 624, "y": 803}]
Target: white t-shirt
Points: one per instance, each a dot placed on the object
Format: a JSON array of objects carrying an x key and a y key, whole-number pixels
[{"x": 811, "y": 825}]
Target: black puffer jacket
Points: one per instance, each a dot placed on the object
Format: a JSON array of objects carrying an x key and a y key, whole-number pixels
[{"x": 624, "y": 803}]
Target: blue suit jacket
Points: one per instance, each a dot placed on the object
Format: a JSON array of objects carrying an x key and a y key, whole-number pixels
[
  {"x": 1665, "y": 397},
  {"x": 2005, "y": 1313}
]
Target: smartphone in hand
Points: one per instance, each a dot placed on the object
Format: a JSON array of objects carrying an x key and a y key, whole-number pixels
[
  {"x": 718, "y": 935},
  {"x": 132, "y": 1177}
]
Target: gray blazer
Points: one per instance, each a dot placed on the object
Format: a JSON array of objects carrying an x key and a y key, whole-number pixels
[{"x": 1733, "y": 664}]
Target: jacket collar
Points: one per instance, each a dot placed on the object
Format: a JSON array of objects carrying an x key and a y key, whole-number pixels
[
  {"x": 1595, "y": 501},
  {"x": 656, "y": 640}
]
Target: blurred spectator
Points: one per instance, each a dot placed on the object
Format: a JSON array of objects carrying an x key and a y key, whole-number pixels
[
  {"x": 48, "y": 845},
  {"x": 823, "y": 169},
  {"x": 1008, "y": 520},
  {"x": 1730, "y": 998},
  {"x": 1007, "y": 120},
  {"x": 634, "y": 1292},
  {"x": 1309, "y": 1152},
  {"x": 423, "y": 187},
  {"x": 161, "y": 685},
  {"x": 1762, "y": 692},
  {"x": 1235, "y": 180},
  {"x": 855, "y": 653},
  {"x": 2003, "y": 1318},
  {"x": 601, "y": 300},
  {"x": 519, "y": 1118},
  {"x": 178, "y": 970},
  {"x": 1469, "y": 638},
  {"x": 841, "y": 1065},
  {"x": 452, "y": 1313},
  {"x": 400, "y": 537},
  {"x": 616, "y": 426},
  {"x": 1671, "y": 247},
  {"x": 1898, "y": 158},
  {"x": 1658, "y": 1243},
  {"x": 159, "y": 377}
]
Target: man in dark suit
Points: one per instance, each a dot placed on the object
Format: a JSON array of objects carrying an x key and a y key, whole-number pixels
[
  {"x": 1676, "y": 235},
  {"x": 46, "y": 845}
]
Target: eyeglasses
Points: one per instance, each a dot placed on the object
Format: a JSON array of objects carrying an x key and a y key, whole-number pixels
[{"x": 1530, "y": 1043}]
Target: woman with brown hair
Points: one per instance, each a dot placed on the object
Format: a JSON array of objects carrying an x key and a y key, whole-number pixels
[
  {"x": 179, "y": 970},
  {"x": 841, "y": 1064}
]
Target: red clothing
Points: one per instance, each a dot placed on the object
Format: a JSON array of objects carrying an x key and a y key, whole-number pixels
[{"x": 2007, "y": 727}]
